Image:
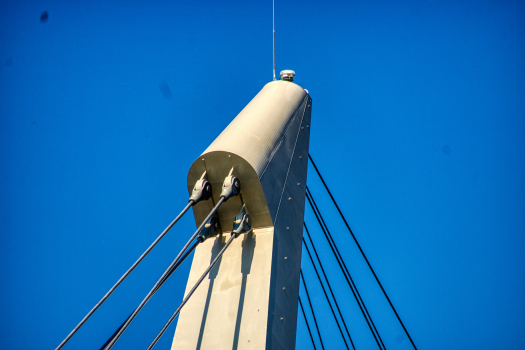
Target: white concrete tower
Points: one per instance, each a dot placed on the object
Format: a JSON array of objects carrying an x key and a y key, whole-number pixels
[{"x": 249, "y": 299}]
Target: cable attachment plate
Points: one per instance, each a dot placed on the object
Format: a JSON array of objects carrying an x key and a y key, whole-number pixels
[
  {"x": 211, "y": 229},
  {"x": 201, "y": 190},
  {"x": 242, "y": 222},
  {"x": 231, "y": 186}
]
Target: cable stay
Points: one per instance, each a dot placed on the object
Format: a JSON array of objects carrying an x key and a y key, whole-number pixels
[
  {"x": 326, "y": 296},
  {"x": 327, "y": 299},
  {"x": 328, "y": 284},
  {"x": 201, "y": 191},
  {"x": 157, "y": 285},
  {"x": 345, "y": 271},
  {"x": 191, "y": 292},
  {"x": 362, "y": 252},
  {"x": 181, "y": 260},
  {"x": 306, "y": 321},
  {"x": 188, "y": 252},
  {"x": 231, "y": 187},
  {"x": 241, "y": 224},
  {"x": 124, "y": 276},
  {"x": 311, "y": 308},
  {"x": 191, "y": 202}
]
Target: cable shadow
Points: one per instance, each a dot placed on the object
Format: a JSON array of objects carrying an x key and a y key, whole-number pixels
[
  {"x": 248, "y": 248},
  {"x": 219, "y": 243}
]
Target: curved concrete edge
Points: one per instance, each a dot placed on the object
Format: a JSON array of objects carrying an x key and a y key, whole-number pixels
[
  {"x": 260, "y": 126},
  {"x": 249, "y": 144}
]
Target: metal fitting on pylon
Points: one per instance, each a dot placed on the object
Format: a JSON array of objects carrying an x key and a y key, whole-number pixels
[
  {"x": 242, "y": 222},
  {"x": 211, "y": 229},
  {"x": 231, "y": 186},
  {"x": 201, "y": 190}
]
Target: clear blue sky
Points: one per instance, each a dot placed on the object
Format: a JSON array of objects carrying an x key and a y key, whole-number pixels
[{"x": 418, "y": 126}]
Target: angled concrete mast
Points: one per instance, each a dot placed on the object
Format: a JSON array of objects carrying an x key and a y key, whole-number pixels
[{"x": 249, "y": 299}]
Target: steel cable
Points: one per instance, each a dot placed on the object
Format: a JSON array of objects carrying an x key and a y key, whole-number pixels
[
  {"x": 163, "y": 277},
  {"x": 188, "y": 252},
  {"x": 124, "y": 276},
  {"x": 181, "y": 260},
  {"x": 346, "y": 273},
  {"x": 344, "y": 265},
  {"x": 362, "y": 252},
  {"x": 306, "y": 321},
  {"x": 327, "y": 282},
  {"x": 326, "y": 296},
  {"x": 190, "y": 293},
  {"x": 311, "y": 308}
]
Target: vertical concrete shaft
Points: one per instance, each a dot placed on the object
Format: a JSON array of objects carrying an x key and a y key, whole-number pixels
[{"x": 249, "y": 300}]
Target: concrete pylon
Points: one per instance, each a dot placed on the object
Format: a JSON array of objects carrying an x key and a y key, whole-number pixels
[{"x": 249, "y": 299}]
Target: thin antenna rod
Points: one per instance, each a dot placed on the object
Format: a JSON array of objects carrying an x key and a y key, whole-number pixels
[{"x": 274, "y": 40}]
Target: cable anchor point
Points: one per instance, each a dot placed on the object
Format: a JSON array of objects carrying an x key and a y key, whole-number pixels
[
  {"x": 231, "y": 186},
  {"x": 201, "y": 190},
  {"x": 211, "y": 229},
  {"x": 242, "y": 222}
]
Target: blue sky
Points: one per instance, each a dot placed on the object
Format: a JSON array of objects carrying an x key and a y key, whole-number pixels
[{"x": 418, "y": 126}]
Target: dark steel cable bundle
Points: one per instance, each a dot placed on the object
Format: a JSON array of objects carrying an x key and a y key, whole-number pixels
[
  {"x": 328, "y": 284},
  {"x": 326, "y": 296},
  {"x": 361, "y": 250},
  {"x": 311, "y": 308},
  {"x": 307, "y": 325},
  {"x": 345, "y": 271}
]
